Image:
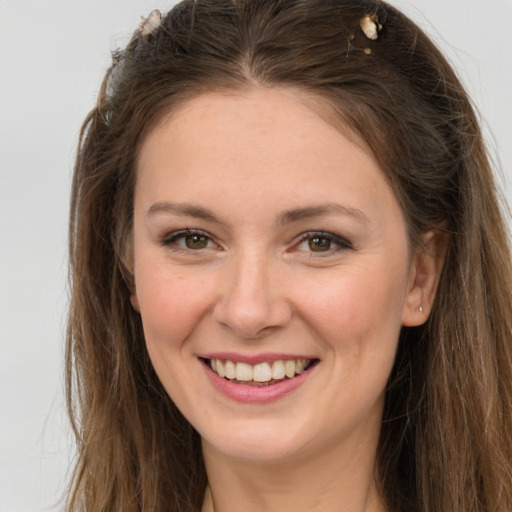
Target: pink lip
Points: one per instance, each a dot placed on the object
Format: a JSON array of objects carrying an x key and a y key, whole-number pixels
[
  {"x": 254, "y": 359},
  {"x": 256, "y": 394}
]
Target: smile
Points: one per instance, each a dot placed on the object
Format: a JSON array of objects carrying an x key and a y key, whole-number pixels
[{"x": 261, "y": 374}]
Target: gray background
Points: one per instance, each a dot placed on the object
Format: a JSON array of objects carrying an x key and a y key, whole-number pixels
[{"x": 53, "y": 54}]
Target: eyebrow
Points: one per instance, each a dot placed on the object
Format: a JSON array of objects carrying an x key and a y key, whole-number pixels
[
  {"x": 189, "y": 210},
  {"x": 287, "y": 217},
  {"x": 322, "y": 210}
]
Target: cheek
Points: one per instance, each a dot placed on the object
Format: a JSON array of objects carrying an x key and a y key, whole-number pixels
[
  {"x": 358, "y": 310},
  {"x": 171, "y": 305}
]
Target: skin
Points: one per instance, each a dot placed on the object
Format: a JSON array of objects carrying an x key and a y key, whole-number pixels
[{"x": 253, "y": 284}]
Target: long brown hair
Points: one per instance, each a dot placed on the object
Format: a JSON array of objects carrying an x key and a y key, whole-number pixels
[{"x": 446, "y": 441}]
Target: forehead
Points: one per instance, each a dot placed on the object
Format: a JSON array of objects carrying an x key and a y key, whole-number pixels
[
  {"x": 265, "y": 140},
  {"x": 245, "y": 122}
]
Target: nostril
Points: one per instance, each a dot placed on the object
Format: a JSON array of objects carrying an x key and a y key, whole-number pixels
[{"x": 252, "y": 322}]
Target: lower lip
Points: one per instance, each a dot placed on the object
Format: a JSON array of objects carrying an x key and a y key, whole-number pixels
[{"x": 256, "y": 394}]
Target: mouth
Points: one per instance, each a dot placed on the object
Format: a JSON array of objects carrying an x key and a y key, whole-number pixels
[{"x": 261, "y": 374}]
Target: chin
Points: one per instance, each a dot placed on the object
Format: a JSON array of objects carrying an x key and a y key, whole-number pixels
[{"x": 257, "y": 443}]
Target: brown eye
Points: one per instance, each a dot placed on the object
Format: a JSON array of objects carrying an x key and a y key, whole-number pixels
[
  {"x": 196, "y": 241},
  {"x": 322, "y": 243},
  {"x": 188, "y": 240},
  {"x": 319, "y": 244}
]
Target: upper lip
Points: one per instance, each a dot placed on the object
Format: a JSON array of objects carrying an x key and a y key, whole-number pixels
[{"x": 255, "y": 358}]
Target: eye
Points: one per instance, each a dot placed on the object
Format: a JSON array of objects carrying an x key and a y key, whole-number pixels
[
  {"x": 189, "y": 239},
  {"x": 196, "y": 241},
  {"x": 319, "y": 243},
  {"x": 322, "y": 242}
]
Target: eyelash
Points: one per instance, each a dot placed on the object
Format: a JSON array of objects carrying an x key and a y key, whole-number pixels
[
  {"x": 172, "y": 239},
  {"x": 341, "y": 243}
]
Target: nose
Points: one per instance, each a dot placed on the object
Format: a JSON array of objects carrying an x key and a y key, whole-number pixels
[{"x": 253, "y": 302}]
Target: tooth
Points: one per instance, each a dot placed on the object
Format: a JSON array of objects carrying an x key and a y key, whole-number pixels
[
  {"x": 220, "y": 368},
  {"x": 213, "y": 364},
  {"x": 278, "y": 371},
  {"x": 230, "y": 369},
  {"x": 289, "y": 368},
  {"x": 262, "y": 372},
  {"x": 243, "y": 371},
  {"x": 299, "y": 367}
]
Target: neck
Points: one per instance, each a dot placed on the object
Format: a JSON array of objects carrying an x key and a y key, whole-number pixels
[{"x": 337, "y": 480}]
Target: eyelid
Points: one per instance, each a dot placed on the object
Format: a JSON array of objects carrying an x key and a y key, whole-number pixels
[
  {"x": 171, "y": 238},
  {"x": 340, "y": 241}
]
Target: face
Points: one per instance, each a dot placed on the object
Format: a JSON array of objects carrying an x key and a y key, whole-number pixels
[{"x": 272, "y": 274}]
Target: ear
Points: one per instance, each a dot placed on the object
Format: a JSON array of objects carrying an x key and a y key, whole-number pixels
[
  {"x": 135, "y": 301},
  {"x": 426, "y": 266}
]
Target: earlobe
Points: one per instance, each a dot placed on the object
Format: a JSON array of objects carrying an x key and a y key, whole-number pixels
[
  {"x": 135, "y": 302},
  {"x": 426, "y": 267}
]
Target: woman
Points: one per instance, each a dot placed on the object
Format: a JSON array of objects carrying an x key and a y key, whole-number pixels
[{"x": 291, "y": 278}]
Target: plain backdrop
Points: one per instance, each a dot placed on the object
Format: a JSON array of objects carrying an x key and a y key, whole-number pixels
[{"x": 53, "y": 54}]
